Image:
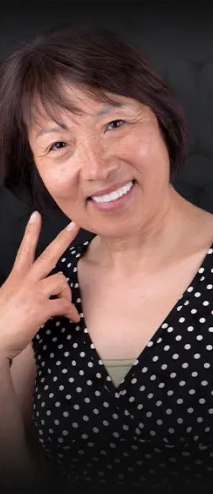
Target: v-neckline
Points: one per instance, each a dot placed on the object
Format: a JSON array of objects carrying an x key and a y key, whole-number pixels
[{"x": 155, "y": 339}]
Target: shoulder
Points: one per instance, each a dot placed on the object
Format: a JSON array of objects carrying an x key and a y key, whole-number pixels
[
  {"x": 199, "y": 229},
  {"x": 67, "y": 264},
  {"x": 205, "y": 230}
]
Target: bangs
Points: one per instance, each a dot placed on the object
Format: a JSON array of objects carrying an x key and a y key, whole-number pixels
[{"x": 49, "y": 96}]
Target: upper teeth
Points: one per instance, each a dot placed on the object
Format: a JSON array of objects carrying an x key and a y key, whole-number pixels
[{"x": 113, "y": 195}]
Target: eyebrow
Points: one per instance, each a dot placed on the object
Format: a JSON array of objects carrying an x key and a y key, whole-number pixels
[
  {"x": 108, "y": 108},
  {"x": 103, "y": 111},
  {"x": 48, "y": 130}
]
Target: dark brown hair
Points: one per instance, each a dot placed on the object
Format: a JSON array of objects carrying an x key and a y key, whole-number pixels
[{"x": 102, "y": 63}]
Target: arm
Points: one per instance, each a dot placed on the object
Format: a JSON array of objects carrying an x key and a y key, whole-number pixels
[
  {"x": 21, "y": 459},
  {"x": 25, "y": 307}
]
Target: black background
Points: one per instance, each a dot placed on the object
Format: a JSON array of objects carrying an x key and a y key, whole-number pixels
[{"x": 177, "y": 36}]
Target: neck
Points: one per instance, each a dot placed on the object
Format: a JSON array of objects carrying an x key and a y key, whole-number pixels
[{"x": 151, "y": 245}]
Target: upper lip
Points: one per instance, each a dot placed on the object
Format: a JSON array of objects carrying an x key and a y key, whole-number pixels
[{"x": 112, "y": 188}]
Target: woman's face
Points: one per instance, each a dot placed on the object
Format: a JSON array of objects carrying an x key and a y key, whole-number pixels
[{"x": 107, "y": 168}]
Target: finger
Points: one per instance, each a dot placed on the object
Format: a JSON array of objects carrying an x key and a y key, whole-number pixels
[
  {"x": 62, "y": 307},
  {"x": 48, "y": 259},
  {"x": 56, "y": 285},
  {"x": 26, "y": 253}
]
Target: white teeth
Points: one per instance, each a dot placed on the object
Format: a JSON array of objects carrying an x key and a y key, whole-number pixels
[{"x": 113, "y": 195}]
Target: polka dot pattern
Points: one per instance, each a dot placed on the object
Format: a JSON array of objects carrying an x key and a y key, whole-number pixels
[{"x": 154, "y": 432}]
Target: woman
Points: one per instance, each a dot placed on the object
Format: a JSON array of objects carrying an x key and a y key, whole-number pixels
[{"x": 110, "y": 341}]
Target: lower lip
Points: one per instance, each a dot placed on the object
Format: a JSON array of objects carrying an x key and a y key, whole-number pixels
[{"x": 113, "y": 205}]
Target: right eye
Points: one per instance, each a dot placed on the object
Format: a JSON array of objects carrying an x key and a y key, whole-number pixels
[{"x": 57, "y": 145}]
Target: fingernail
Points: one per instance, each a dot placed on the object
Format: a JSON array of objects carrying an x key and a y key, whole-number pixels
[
  {"x": 71, "y": 226},
  {"x": 33, "y": 217}
]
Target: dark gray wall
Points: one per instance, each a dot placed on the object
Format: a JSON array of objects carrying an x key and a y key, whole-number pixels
[{"x": 177, "y": 36}]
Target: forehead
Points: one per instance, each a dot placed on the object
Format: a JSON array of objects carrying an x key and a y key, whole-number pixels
[
  {"x": 77, "y": 103},
  {"x": 85, "y": 99}
]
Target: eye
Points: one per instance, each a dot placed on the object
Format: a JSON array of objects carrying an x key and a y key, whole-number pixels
[
  {"x": 57, "y": 145},
  {"x": 115, "y": 124}
]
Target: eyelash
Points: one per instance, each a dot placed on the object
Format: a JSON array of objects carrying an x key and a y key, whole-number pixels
[
  {"x": 118, "y": 120},
  {"x": 54, "y": 144},
  {"x": 64, "y": 143}
]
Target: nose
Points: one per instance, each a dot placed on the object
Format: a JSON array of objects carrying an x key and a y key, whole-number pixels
[{"x": 96, "y": 162}]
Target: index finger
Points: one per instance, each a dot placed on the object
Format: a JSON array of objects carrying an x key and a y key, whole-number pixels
[
  {"x": 50, "y": 256},
  {"x": 26, "y": 252}
]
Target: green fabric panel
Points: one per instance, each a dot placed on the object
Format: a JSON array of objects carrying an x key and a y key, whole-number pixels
[{"x": 118, "y": 368}]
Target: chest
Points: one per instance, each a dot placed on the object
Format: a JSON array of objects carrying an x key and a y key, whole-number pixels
[{"x": 122, "y": 317}]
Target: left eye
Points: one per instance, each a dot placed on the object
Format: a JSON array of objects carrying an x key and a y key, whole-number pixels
[
  {"x": 115, "y": 124},
  {"x": 57, "y": 145}
]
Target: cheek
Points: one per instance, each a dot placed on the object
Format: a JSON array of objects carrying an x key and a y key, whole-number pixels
[
  {"x": 152, "y": 155},
  {"x": 60, "y": 182},
  {"x": 143, "y": 144}
]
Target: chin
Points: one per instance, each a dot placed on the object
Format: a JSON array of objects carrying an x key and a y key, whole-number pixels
[{"x": 114, "y": 230}]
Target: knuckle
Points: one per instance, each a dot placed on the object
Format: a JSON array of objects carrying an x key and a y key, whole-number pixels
[
  {"x": 62, "y": 280},
  {"x": 65, "y": 304},
  {"x": 43, "y": 258},
  {"x": 61, "y": 276}
]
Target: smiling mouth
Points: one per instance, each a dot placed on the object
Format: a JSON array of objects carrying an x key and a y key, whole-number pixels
[{"x": 114, "y": 195}]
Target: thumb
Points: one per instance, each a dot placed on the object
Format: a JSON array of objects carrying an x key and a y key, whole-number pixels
[{"x": 63, "y": 307}]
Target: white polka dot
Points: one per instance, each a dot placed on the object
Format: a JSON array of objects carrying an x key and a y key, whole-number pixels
[
  {"x": 199, "y": 337},
  {"x": 179, "y": 420},
  {"x": 164, "y": 366},
  {"x": 187, "y": 346},
  {"x": 170, "y": 392},
  {"x": 194, "y": 374},
  {"x": 192, "y": 391},
  {"x": 180, "y": 401}
]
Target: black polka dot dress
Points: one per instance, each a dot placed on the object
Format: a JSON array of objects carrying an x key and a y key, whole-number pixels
[{"x": 153, "y": 433}]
